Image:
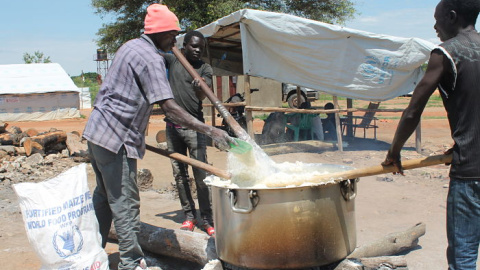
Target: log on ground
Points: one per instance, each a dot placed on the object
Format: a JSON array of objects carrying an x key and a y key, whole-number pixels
[
  {"x": 11, "y": 138},
  {"x": 75, "y": 145},
  {"x": 40, "y": 143},
  {"x": 32, "y": 147},
  {"x": 391, "y": 244},
  {"x": 31, "y": 132},
  {"x": 3, "y": 127},
  {"x": 185, "y": 245}
]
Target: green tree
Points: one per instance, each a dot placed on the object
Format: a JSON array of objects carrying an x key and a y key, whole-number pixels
[
  {"x": 196, "y": 13},
  {"x": 36, "y": 57},
  {"x": 88, "y": 79}
]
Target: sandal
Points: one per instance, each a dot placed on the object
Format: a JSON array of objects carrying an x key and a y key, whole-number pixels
[{"x": 188, "y": 225}]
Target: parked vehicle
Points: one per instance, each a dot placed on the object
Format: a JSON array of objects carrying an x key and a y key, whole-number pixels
[{"x": 289, "y": 94}]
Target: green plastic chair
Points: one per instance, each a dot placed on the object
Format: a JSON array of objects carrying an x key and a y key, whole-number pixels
[{"x": 305, "y": 123}]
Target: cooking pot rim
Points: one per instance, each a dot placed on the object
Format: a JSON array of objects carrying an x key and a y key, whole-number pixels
[
  {"x": 331, "y": 182},
  {"x": 308, "y": 185}
]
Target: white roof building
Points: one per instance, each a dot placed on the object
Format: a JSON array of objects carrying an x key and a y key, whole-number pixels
[{"x": 36, "y": 92}]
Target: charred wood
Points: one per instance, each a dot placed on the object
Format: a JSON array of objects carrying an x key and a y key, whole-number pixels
[
  {"x": 3, "y": 127},
  {"x": 14, "y": 130},
  {"x": 11, "y": 138},
  {"x": 41, "y": 143}
]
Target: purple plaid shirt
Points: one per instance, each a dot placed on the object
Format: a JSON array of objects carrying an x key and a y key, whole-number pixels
[{"x": 134, "y": 82}]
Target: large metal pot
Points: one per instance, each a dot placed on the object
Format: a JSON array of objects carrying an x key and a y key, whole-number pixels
[{"x": 285, "y": 228}]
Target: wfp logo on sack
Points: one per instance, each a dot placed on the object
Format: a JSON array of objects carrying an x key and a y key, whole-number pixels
[
  {"x": 68, "y": 241},
  {"x": 378, "y": 71}
]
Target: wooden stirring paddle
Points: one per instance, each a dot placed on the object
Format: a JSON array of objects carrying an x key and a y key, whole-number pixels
[{"x": 379, "y": 169}]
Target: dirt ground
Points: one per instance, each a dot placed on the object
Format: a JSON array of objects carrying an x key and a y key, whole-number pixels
[{"x": 384, "y": 203}]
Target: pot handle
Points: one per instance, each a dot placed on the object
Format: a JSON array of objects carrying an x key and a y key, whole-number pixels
[
  {"x": 348, "y": 189},
  {"x": 252, "y": 195}
]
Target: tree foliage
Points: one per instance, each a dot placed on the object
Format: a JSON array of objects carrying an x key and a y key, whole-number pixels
[
  {"x": 88, "y": 79},
  {"x": 196, "y": 13},
  {"x": 36, "y": 57}
]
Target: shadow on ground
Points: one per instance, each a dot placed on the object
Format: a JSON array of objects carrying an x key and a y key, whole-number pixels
[
  {"x": 176, "y": 216},
  {"x": 361, "y": 144}
]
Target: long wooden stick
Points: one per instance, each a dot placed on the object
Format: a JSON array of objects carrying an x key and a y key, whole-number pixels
[
  {"x": 379, "y": 169},
  {"x": 237, "y": 129},
  {"x": 190, "y": 161}
]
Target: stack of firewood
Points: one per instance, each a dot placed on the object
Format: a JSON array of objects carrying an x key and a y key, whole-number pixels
[{"x": 14, "y": 141}]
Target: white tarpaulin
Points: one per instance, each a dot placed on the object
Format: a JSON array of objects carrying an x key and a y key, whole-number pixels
[
  {"x": 85, "y": 98},
  {"x": 330, "y": 58},
  {"x": 37, "y": 92}
]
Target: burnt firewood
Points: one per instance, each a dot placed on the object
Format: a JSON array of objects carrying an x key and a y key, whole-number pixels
[
  {"x": 3, "y": 127},
  {"x": 11, "y": 138},
  {"x": 14, "y": 130},
  {"x": 31, "y": 132},
  {"x": 41, "y": 143},
  {"x": 32, "y": 147}
]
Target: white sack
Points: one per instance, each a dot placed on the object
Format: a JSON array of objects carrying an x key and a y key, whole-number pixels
[{"x": 60, "y": 221}]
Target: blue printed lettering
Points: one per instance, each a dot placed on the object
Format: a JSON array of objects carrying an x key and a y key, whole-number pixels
[{"x": 36, "y": 224}]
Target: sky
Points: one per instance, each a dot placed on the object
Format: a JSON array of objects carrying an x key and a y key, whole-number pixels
[{"x": 65, "y": 30}]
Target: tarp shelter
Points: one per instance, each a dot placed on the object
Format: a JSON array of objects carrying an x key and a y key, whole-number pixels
[
  {"x": 85, "y": 98},
  {"x": 37, "y": 92},
  {"x": 333, "y": 59}
]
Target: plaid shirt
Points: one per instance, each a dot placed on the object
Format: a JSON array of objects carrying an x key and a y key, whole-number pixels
[{"x": 134, "y": 82}]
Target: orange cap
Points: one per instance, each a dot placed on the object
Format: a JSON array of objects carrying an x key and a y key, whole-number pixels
[{"x": 160, "y": 19}]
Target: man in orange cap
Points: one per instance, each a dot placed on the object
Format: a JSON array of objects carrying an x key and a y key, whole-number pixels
[{"x": 115, "y": 130}]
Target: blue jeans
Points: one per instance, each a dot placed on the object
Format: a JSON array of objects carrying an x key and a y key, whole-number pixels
[
  {"x": 116, "y": 198},
  {"x": 181, "y": 140},
  {"x": 463, "y": 224}
]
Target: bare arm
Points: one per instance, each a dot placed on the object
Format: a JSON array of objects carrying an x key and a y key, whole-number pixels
[
  {"x": 198, "y": 90},
  {"x": 183, "y": 118},
  {"x": 411, "y": 116},
  {"x": 207, "y": 78}
]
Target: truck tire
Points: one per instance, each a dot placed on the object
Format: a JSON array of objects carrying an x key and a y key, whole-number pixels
[{"x": 292, "y": 100}]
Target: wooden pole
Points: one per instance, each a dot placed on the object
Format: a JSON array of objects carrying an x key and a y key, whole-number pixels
[
  {"x": 332, "y": 178},
  {"x": 215, "y": 90},
  {"x": 214, "y": 81},
  {"x": 338, "y": 125},
  {"x": 380, "y": 169},
  {"x": 248, "y": 102},
  {"x": 190, "y": 161},
  {"x": 316, "y": 111},
  {"x": 418, "y": 137},
  {"x": 349, "y": 118},
  {"x": 237, "y": 129},
  {"x": 299, "y": 97}
]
